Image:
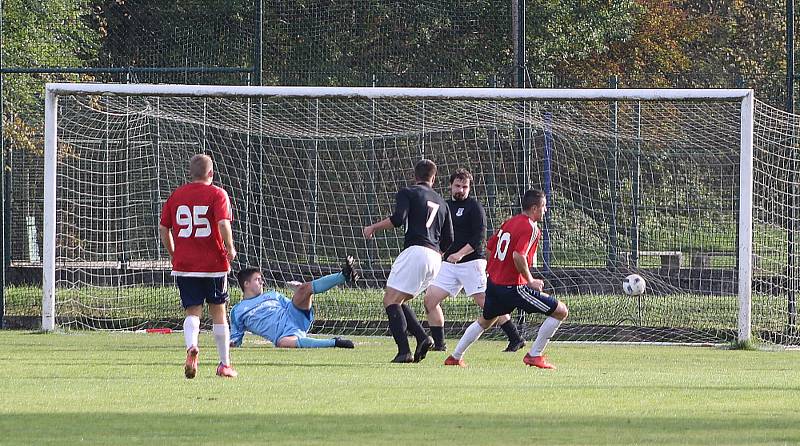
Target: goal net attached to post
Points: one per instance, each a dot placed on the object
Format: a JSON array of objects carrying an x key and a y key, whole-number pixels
[{"x": 674, "y": 185}]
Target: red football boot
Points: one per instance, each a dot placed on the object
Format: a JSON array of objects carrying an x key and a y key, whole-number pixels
[
  {"x": 226, "y": 371},
  {"x": 190, "y": 368},
  {"x": 537, "y": 361},
  {"x": 453, "y": 361}
]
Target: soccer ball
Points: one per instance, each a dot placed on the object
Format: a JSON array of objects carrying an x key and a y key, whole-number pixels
[{"x": 634, "y": 285}]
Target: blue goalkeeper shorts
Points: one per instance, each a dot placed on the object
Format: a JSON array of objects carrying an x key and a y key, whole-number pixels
[{"x": 298, "y": 322}]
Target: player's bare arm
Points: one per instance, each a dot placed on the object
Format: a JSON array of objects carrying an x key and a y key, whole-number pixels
[
  {"x": 369, "y": 231},
  {"x": 227, "y": 238},
  {"x": 521, "y": 263},
  {"x": 166, "y": 239},
  {"x": 461, "y": 253}
]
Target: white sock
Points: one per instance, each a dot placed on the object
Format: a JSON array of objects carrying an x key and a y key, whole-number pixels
[
  {"x": 222, "y": 336},
  {"x": 546, "y": 331},
  {"x": 191, "y": 330},
  {"x": 473, "y": 332}
]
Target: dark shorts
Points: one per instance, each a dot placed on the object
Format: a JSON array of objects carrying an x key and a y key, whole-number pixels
[
  {"x": 503, "y": 299},
  {"x": 198, "y": 290}
]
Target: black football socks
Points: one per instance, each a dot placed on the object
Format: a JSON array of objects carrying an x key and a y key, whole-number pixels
[
  {"x": 397, "y": 325},
  {"x": 414, "y": 327},
  {"x": 510, "y": 330}
]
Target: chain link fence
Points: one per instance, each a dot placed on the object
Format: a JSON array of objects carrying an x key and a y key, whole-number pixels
[{"x": 428, "y": 43}]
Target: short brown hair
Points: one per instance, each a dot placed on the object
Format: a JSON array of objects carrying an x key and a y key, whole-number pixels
[
  {"x": 532, "y": 198},
  {"x": 245, "y": 275},
  {"x": 424, "y": 170},
  {"x": 461, "y": 174},
  {"x": 200, "y": 166}
]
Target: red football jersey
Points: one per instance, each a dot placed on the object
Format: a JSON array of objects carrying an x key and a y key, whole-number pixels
[
  {"x": 192, "y": 213},
  {"x": 518, "y": 234}
]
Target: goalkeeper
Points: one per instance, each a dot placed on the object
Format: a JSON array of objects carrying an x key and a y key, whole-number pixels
[{"x": 284, "y": 322}]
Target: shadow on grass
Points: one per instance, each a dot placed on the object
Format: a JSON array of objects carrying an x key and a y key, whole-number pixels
[{"x": 390, "y": 429}]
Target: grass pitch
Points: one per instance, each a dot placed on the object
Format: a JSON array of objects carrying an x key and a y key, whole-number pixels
[{"x": 124, "y": 388}]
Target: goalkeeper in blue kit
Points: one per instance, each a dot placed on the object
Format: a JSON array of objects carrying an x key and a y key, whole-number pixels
[{"x": 284, "y": 322}]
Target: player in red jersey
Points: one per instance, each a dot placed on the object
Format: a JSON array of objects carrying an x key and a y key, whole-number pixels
[
  {"x": 195, "y": 229},
  {"x": 511, "y": 252}
]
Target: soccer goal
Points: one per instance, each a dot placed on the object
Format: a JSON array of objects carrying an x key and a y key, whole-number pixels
[{"x": 688, "y": 188}]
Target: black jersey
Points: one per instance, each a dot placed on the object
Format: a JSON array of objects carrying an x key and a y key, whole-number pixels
[
  {"x": 469, "y": 226},
  {"x": 426, "y": 215}
]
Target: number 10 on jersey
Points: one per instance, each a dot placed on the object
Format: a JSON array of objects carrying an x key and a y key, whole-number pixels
[{"x": 503, "y": 241}]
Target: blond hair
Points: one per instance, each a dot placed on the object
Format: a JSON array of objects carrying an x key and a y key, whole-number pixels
[{"x": 200, "y": 167}]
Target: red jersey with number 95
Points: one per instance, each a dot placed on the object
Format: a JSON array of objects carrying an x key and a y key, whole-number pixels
[
  {"x": 192, "y": 213},
  {"x": 518, "y": 234}
]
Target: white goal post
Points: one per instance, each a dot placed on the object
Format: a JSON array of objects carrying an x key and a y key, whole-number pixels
[{"x": 744, "y": 97}]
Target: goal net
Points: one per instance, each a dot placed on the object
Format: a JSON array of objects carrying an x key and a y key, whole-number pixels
[{"x": 688, "y": 188}]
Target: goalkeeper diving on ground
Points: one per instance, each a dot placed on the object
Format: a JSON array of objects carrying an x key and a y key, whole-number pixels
[{"x": 284, "y": 322}]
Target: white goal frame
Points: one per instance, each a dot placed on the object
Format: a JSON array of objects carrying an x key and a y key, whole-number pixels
[{"x": 744, "y": 96}]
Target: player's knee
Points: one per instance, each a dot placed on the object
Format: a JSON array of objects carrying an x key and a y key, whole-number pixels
[
  {"x": 305, "y": 288},
  {"x": 431, "y": 302},
  {"x": 392, "y": 297},
  {"x": 484, "y": 323},
  {"x": 287, "y": 342},
  {"x": 561, "y": 312}
]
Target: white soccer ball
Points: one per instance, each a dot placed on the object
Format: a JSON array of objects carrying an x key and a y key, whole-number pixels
[{"x": 634, "y": 285}]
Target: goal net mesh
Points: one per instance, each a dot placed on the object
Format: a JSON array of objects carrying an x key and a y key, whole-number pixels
[{"x": 646, "y": 187}]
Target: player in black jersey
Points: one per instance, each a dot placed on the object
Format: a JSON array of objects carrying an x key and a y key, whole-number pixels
[
  {"x": 429, "y": 231},
  {"x": 464, "y": 263}
]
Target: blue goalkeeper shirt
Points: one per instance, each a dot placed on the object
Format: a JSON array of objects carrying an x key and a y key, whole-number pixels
[{"x": 270, "y": 315}]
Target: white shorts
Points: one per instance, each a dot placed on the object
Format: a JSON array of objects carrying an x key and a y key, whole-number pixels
[
  {"x": 413, "y": 270},
  {"x": 468, "y": 275}
]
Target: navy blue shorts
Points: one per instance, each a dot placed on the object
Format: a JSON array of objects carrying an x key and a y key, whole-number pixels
[
  {"x": 503, "y": 299},
  {"x": 197, "y": 290}
]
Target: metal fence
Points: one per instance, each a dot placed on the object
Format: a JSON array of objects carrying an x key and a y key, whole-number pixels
[{"x": 428, "y": 43}]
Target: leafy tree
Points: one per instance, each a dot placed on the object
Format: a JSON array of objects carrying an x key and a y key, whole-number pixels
[
  {"x": 650, "y": 55},
  {"x": 692, "y": 43},
  {"x": 178, "y": 33},
  {"x": 560, "y": 33},
  {"x": 39, "y": 34},
  {"x": 324, "y": 42},
  {"x": 745, "y": 40}
]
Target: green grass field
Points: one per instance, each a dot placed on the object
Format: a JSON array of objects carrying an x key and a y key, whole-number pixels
[
  {"x": 124, "y": 388},
  {"x": 131, "y": 308}
]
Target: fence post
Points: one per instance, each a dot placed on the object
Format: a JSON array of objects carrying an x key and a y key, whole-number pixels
[
  {"x": 613, "y": 178},
  {"x": 6, "y": 224},
  {"x": 258, "y": 50},
  {"x": 636, "y": 190},
  {"x": 547, "y": 249},
  {"x": 518, "y": 32},
  {"x": 5, "y": 206},
  {"x": 491, "y": 177},
  {"x": 791, "y": 261}
]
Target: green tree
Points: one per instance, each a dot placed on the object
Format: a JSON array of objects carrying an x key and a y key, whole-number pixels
[
  {"x": 177, "y": 33},
  {"x": 562, "y": 33},
  {"x": 54, "y": 33},
  {"x": 745, "y": 40},
  {"x": 650, "y": 55},
  {"x": 427, "y": 43}
]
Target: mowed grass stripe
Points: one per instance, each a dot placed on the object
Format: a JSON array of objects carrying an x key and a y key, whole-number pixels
[{"x": 123, "y": 388}]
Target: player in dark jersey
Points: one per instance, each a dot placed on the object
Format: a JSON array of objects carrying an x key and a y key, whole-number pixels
[
  {"x": 464, "y": 264},
  {"x": 195, "y": 229},
  {"x": 511, "y": 252},
  {"x": 429, "y": 231}
]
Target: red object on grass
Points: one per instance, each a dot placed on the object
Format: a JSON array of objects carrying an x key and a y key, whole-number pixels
[{"x": 159, "y": 330}]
